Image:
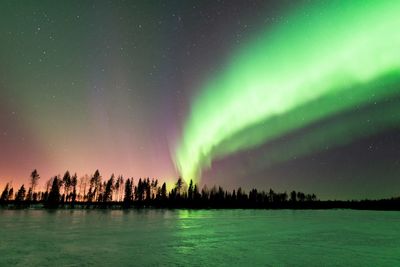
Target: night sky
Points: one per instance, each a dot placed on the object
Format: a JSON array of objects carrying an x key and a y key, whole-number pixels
[{"x": 281, "y": 94}]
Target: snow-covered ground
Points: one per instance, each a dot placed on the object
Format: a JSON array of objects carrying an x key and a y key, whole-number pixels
[{"x": 199, "y": 238}]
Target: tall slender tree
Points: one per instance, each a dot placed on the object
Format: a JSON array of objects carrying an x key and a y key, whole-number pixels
[
  {"x": 34, "y": 179},
  {"x": 83, "y": 182},
  {"x": 190, "y": 190},
  {"x": 121, "y": 187},
  {"x": 67, "y": 184},
  {"x": 164, "y": 192},
  {"x": 178, "y": 186},
  {"x": 109, "y": 189},
  {"x": 128, "y": 194},
  {"x": 95, "y": 183},
  {"x": 116, "y": 189},
  {"x": 74, "y": 182}
]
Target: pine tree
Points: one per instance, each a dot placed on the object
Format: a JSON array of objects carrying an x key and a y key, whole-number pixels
[
  {"x": 74, "y": 182},
  {"x": 4, "y": 195},
  {"x": 21, "y": 194},
  {"x": 164, "y": 192},
  {"x": 109, "y": 189},
  {"x": 54, "y": 195},
  {"x": 33, "y": 182},
  {"x": 190, "y": 190},
  {"x": 128, "y": 194}
]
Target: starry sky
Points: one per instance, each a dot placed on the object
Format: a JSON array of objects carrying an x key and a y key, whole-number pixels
[{"x": 283, "y": 94}]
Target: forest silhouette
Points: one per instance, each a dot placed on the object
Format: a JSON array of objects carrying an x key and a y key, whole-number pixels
[{"x": 117, "y": 193}]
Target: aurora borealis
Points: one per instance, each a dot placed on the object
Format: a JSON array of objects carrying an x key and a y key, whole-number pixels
[
  {"x": 278, "y": 94},
  {"x": 268, "y": 80}
]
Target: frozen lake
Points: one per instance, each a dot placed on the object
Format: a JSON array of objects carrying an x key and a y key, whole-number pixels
[{"x": 199, "y": 238}]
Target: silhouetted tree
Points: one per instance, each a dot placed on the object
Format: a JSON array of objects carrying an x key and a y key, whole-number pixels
[
  {"x": 48, "y": 184},
  {"x": 117, "y": 187},
  {"x": 54, "y": 196},
  {"x": 4, "y": 194},
  {"x": 313, "y": 197},
  {"x": 284, "y": 197},
  {"x": 253, "y": 196},
  {"x": 83, "y": 182},
  {"x": 271, "y": 196},
  {"x": 10, "y": 193},
  {"x": 29, "y": 196},
  {"x": 100, "y": 191},
  {"x": 147, "y": 193},
  {"x": 34, "y": 179},
  {"x": 196, "y": 194},
  {"x": 66, "y": 181},
  {"x": 301, "y": 196},
  {"x": 190, "y": 190},
  {"x": 204, "y": 193},
  {"x": 95, "y": 183},
  {"x": 147, "y": 187},
  {"x": 139, "y": 190},
  {"x": 164, "y": 192},
  {"x": 74, "y": 182},
  {"x": 121, "y": 187},
  {"x": 128, "y": 194},
  {"x": 20, "y": 197},
  {"x": 178, "y": 186},
  {"x": 109, "y": 189},
  {"x": 293, "y": 196}
]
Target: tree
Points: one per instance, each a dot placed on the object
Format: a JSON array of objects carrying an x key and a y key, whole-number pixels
[
  {"x": 148, "y": 189},
  {"x": 54, "y": 196},
  {"x": 196, "y": 194},
  {"x": 95, "y": 183},
  {"x": 21, "y": 194},
  {"x": 301, "y": 196},
  {"x": 83, "y": 181},
  {"x": 271, "y": 196},
  {"x": 178, "y": 186},
  {"x": 48, "y": 184},
  {"x": 293, "y": 197},
  {"x": 29, "y": 196},
  {"x": 128, "y": 194},
  {"x": 190, "y": 190},
  {"x": 109, "y": 189},
  {"x": 313, "y": 197},
  {"x": 74, "y": 182},
  {"x": 139, "y": 190},
  {"x": 4, "y": 195},
  {"x": 284, "y": 196},
  {"x": 100, "y": 191},
  {"x": 67, "y": 184},
  {"x": 116, "y": 189},
  {"x": 205, "y": 193},
  {"x": 33, "y": 182},
  {"x": 10, "y": 193},
  {"x": 121, "y": 187},
  {"x": 164, "y": 192}
]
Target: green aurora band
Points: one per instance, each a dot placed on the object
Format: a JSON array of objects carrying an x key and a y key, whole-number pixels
[{"x": 323, "y": 60}]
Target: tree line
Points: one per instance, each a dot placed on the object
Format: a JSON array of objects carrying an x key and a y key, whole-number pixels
[{"x": 93, "y": 192}]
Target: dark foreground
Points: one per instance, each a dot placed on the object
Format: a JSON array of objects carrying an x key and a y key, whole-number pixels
[{"x": 151, "y": 237}]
